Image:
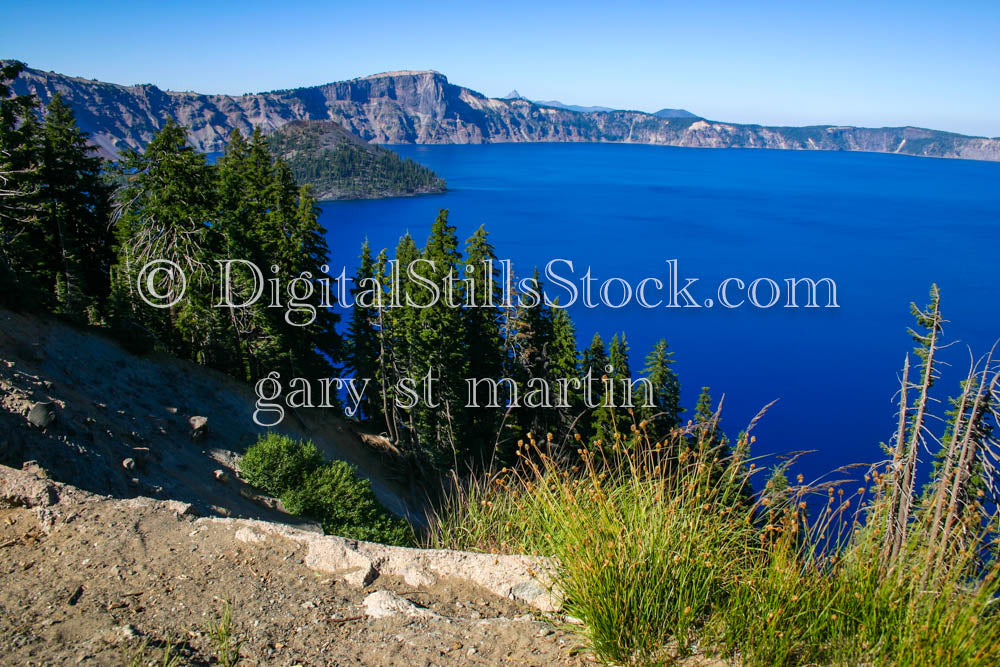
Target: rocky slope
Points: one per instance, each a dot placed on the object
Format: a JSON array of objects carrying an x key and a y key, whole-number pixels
[
  {"x": 423, "y": 107},
  {"x": 127, "y": 426}
]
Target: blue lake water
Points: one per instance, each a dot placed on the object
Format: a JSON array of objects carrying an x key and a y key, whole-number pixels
[{"x": 884, "y": 227}]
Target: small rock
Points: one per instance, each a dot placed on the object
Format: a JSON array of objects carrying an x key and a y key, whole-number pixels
[
  {"x": 382, "y": 604},
  {"x": 42, "y": 415},
  {"x": 141, "y": 454},
  {"x": 199, "y": 427},
  {"x": 128, "y": 464},
  {"x": 220, "y": 476},
  {"x": 181, "y": 508},
  {"x": 471, "y": 652},
  {"x": 27, "y": 487}
]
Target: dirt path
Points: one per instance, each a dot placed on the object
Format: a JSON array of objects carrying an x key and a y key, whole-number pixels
[{"x": 87, "y": 580}]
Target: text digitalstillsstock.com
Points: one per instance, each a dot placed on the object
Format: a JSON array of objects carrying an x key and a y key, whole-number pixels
[{"x": 242, "y": 284}]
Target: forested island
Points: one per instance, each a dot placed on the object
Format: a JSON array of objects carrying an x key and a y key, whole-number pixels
[{"x": 339, "y": 165}]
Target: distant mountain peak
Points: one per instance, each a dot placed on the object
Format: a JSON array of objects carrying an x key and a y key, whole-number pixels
[
  {"x": 402, "y": 72},
  {"x": 514, "y": 95},
  {"x": 573, "y": 107},
  {"x": 674, "y": 113}
]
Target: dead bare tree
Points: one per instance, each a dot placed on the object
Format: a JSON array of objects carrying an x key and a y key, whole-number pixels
[{"x": 913, "y": 433}]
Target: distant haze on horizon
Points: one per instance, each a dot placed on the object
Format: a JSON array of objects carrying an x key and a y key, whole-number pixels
[{"x": 778, "y": 63}]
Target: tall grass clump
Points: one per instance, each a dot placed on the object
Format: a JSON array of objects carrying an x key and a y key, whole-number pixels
[
  {"x": 662, "y": 548},
  {"x": 647, "y": 538}
]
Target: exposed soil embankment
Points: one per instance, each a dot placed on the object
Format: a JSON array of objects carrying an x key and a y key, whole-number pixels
[
  {"x": 125, "y": 426},
  {"x": 124, "y": 528}
]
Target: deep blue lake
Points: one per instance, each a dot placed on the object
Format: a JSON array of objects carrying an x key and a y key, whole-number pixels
[{"x": 884, "y": 227}]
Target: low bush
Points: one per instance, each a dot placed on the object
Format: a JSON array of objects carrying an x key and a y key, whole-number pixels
[
  {"x": 276, "y": 463},
  {"x": 345, "y": 505}
]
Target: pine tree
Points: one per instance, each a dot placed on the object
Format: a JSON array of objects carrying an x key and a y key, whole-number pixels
[
  {"x": 595, "y": 362},
  {"x": 709, "y": 434},
  {"x": 611, "y": 420},
  {"x": 564, "y": 364},
  {"x": 485, "y": 348},
  {"x": 776, "y": 498},
  {"x": 22, "y": 255},
  {"x": 363, "y": 344},
  {"x": 398, "y": 336},
  {"x": 74, "y": 207},
  {"x": 386, "y": 374},
  {"x": 708, "y": 439},
  {"x": 242, "y": 201},
  {"x": 440, "y": 351},
  {"x": 665, "y": 415},
  {"x": 241, "y": 207},
  {"x": 318, "y": 343},
  {"x": 912, "y": 418},
  {"x": 530, "y": 332},
  {"x": 164, "y": 205}
]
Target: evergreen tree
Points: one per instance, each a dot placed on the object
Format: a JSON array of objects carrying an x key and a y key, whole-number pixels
[
  {"x": 316, "y": 345},
  {"x": 485, "y": 348},
  {"x": 440, "y": 351},
  {"x": 386, "y": 363},
  {"x": 564, "y": 365},
  {"x": 776, "y": 499},
  {"x": 22, "y": 257},
  {"x": 241, "y": 202},
  {"x": 958, "y": 464},
  {"x": 665, "y": 415},
  {"x": 265, "y": 217},
  {"x": 708, "y": 438},
  {"x": 74, "y": 207},
  {"x": 363, "y": 344},
  {"x": 399, "y": 342},
  {"x": 595, "y": 361},
  {"x": 531, "y": 332},
  {"x": 164, "y": 206},
  {"x": 612, "y": 422}
]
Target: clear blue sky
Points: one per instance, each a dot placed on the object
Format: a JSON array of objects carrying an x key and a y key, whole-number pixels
[{"x": 933, "y": 64}]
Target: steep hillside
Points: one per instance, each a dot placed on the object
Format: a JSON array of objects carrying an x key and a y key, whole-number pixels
[
  {"x": 125, "y": 531},
  {"x": 128, "y": 426},
  {"x": 423, "y": 107},
  {"x": 339, "y": 165}
]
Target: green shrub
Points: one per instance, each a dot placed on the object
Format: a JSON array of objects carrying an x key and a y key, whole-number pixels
[
  {"x": 276, "y": 463},
  {"x": 344, "y": 504}
]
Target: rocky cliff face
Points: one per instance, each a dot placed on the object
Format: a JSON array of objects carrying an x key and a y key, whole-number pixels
[{"x": 423, "y": 107}]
